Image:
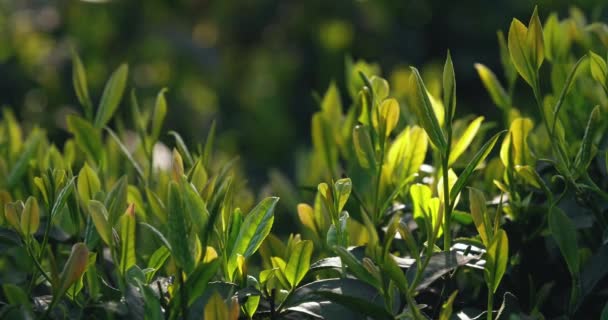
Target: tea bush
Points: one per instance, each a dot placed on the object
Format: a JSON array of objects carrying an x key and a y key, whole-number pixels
[{"x": 406, "y": 208}]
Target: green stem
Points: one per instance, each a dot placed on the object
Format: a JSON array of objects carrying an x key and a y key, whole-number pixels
[
  {"x": 490, "y": 303},
  {"x": 378, "y": 215},
  {"x": 447, "y": 214}
]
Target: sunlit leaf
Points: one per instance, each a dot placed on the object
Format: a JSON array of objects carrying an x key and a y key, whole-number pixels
[
  {"x": 112, "y": 94},
  {"x": 126, "y": 225},
  {"x": 30, "y": 218},
  {"x": 465, "y": 140},
  {"x": 497, "y": 256},
  {"x": 449, "y": 88},
  {"x": 299, "y": 262},
  {"x": 497, "y": 92},
  {"x": 425, "y": 113}
]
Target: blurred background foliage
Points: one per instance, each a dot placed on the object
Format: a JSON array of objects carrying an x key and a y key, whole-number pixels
[{"x": 251, "y": 65}]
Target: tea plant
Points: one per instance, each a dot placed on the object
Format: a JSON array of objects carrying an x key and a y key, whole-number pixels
[{"x": 395, "y": 221}]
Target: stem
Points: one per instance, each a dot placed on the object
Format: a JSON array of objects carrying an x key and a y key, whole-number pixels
[
  {"x": 490, "y": 303},
  {"x": 447, "y": 216},
  {"x": 378, "y": 180}
]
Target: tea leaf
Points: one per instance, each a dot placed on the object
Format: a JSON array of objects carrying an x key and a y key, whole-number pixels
[
  {"x": 176, "y": 223},
  {"x": 99, "y": 216},
  {"x": 112, "y": 94},
  {"x": 198, "y": 281},
  {"x": 158, "y": 116},
  {"x": 306, "y": 215},
  {"x": 564, "y": 233},
  {"x": 79, "y": 79},
  {"x": 439, "y": 264},
  {"x": 156, "y": 261},
  {"x": 479, "y": 214},
  {"x": 598, "y": 68},
  {"x": 127, "y": 240},
  {"x": 566, "y": 88},
  {"x": 356, "y": 267},
  {"x": 88, "y": 183},
  {"x": 87, "y": 138},
  {"x": 518, "y": 138},
  {"x": 363, "y": 147},
  {"x": 534, "y": 41},
  {"x": 468, "y": 170},
  {"x": 449, "y": 88},
  {"x": 391, "y": 268},
  {"x": 465, "y": 140},
  {"x": 253, "y": 231},
  {"x": 30, "y": 218},
  {"x": 343, "y": 188},
  {"x": 424, "y": 111},
  {"x": 585, "y": 154},
  {"x": 497, "y": 92},
  {"x": 389, "y": 115},
  {"x": 299, "y": 262},
  {"x": 74, "y": 268},
  {"x": 116, "y": 200},
  {"x": 519, "y": 53},
  {"x": 20, "y": 166},
  {"x": 497, "y": 256}
]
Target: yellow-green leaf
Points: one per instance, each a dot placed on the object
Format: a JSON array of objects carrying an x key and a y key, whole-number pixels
[
  {"x": 343, "y": 188},
  {"x": 88, "y": 183},
  {"x": 99, "y": 215},
  {"x": 446, "y": 308},
  {"x": 299, "y": 262},
  {"x": 598, "y": 68},
  {"x": 535, "y": 41},
  {"x": 87, "y": 138},
  {"x": 497, "y": 256},
  {"x": 479, "y": 213},
  {"x": 30, "y": 218},
  {"x": 389, "y": 115},
  {"x": 306, "y": 215},
  {"x": 112, "y": 94},
  {"x": 424, "y": 111},
  {"x": 465, "y": 140},
  {"x": 363, "y": 147},
  {"x": 518, "y": 50},
  {"x": 127, "y": 239},
  {"x": 216, "y": 308},
  {"x": 495, "y": 89},
  {"x": 158, "y": 116},
  {"x": 79, "y": 79},
  {"x": 518, "y": 135}
]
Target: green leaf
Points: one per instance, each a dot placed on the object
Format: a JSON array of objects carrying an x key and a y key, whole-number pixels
[
  {"x": 585, "y": 153},
  {"x": 468, "y": 170},
  {"x": 598, "y": 68},
  {"x": 565, "y": 89},
  {"x": 479, "y": 213},
  {"x": 15, "y": 295},
  {"x": 87, "y": 138},
  {"x": 299, "y": 262},
  {"x": 495, "y": 89},
  {"x": 158, "y": 116},
  {"x": 156, "y": 261},
  {"x": 112, "y": 94},
  {"x": 343, "y": 188},
  {"x": 177, "y": 233},
  {"x": 61, "y": 198},
  {"x": 534, "y": 41},
  {"x": 357, "y": 304},
  {"x": 389, "y": 115},
  {"x": 407, "y": 153},
  {"x": 79, "y": 79},
  {"x": 519, "y": 52},
  {"x": 518, "y": 138},
  {"x": 253, "y": 231},
  {"x": 363, "y": 147},
  {"x": 356, "y": 268},
  {"x": 19, "y": 168},
  {"x": 497, "y": 256},
  {"x": 116, "y": 200},
  {"x": 73, "y": 269},
  {"x": 449, "y": 88},
  {"x": 127, "y": 154},
  {"x": 30, "y": 218},
  {"x": 127, "y": 240},
  {"x": 195, "y": 206},
  {"x": 391, "y": 268},
  {"x": 446, "y": 308},
  {"x": 198, "y": 281},
  {"x": 530, "y": 176},
  {"x": 182, "y": 148},
  {"x": 564, "y": 233},
  {"x": 424, "y": 111},
  {"x": 88, "y": 183},
  {"x": 465, "y": 140}
]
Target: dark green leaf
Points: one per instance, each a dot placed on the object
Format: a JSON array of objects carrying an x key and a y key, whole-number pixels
[{"x": 564, "y": 233}]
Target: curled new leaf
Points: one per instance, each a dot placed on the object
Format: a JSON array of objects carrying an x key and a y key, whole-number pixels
[
  {"x": 497, "y": 256},
  {"x": 88, "y": 183},
  {"x": 449, "y": 88},
  {"x": 73, "y": 268},
  {"x": 424, "y": 111},
  {"x": 112, "y": 94},
  {"x": 30, "y": 218},
  {"x": 99, "y": 215}
]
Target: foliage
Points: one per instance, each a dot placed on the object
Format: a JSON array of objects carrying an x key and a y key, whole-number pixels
[{"x": 393, "y": 211}]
